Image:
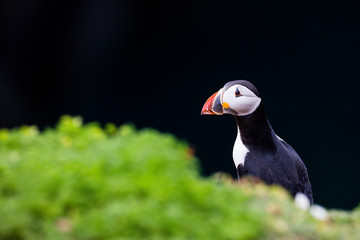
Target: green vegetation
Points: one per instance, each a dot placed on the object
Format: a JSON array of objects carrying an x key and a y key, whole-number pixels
[{"x": 85, "y": 182}]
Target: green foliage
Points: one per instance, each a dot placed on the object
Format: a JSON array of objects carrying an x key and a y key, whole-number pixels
[{"x": 84, "y": 182}]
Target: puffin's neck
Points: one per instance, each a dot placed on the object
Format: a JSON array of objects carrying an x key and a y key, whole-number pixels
[{"x": 255, "y": 129}]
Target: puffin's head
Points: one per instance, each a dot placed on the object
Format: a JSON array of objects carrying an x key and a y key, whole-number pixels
[{"x": 239, "y": 98}]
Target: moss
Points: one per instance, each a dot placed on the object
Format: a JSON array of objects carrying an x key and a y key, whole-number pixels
[{"x": 85, "y": 182}]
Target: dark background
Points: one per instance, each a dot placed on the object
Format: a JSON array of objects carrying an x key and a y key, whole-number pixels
[{"x": 154, "y": 63}]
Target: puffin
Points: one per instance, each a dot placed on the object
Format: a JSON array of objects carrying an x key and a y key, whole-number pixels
[{"x": 258, "y": 151}]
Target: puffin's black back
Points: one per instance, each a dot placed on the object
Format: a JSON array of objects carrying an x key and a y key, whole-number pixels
[{"x": 281, "y": 165}]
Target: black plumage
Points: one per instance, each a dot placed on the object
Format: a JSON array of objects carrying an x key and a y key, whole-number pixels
[{"x": 269, "y": 158}]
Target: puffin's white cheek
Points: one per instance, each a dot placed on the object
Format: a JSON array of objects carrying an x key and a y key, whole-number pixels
[{"x": 245, "y": 105}]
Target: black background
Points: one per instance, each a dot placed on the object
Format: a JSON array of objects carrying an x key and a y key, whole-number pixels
[{"x": 154, "y": 63}]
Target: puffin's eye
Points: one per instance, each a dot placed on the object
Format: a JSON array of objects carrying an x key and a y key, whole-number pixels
[{"x": 237, "y": 93}]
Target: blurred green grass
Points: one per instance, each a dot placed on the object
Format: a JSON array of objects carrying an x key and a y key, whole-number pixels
[{"x": 86, "y": 182}]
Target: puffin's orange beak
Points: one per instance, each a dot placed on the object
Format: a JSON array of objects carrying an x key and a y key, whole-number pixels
[{"x": 213, "y": 105}]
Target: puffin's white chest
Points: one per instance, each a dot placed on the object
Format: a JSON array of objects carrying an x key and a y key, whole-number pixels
[{"x": 239, "y": 151}]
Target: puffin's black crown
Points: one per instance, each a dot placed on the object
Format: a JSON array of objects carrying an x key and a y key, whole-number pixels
[{"x": 245, "y": 83}]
